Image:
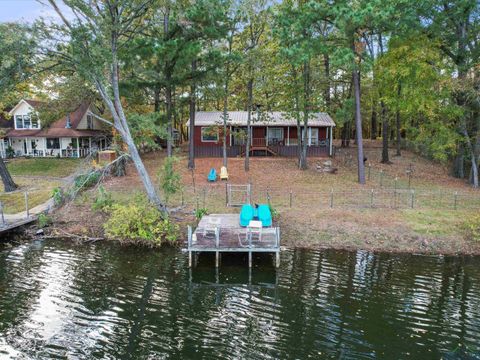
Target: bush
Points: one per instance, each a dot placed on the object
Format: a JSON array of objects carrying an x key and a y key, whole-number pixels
[
  {"x": 199, "y": 213},
  {"x": 103, "y": 200},
  {"x": 86, "y": 181},
  {"x": 43, "y": 220},
  {"x": 9, "y": 152},
  {"x": 139, "y": 221},
  {"x": 58, "y": 197},
  {"x": 170, "y": 180},
  {"x": 471, "y": 228}
]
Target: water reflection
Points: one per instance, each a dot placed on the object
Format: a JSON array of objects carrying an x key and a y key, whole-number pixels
[{"x": 106, "y": 301}]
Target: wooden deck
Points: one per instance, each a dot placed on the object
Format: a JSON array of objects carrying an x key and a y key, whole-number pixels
[
  {"x": 7, "y": 227},
  {"x": 222, "y": 233}
]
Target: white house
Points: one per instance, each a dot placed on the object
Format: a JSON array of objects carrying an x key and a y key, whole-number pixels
[{"x": 75, "y": 135}]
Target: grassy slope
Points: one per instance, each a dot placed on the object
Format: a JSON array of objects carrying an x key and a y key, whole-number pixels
[
  {"x": 51, "y": 167},
  {"x": 38, "y": 177}
]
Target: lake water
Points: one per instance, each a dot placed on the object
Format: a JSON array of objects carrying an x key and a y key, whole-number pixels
[{"x": 104, "y": 301}]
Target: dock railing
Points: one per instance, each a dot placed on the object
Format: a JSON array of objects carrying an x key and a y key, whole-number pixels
[{"x": 14, "y": 208}]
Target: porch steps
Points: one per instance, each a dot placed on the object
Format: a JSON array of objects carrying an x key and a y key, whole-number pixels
[{"x": 260, "y": 148}]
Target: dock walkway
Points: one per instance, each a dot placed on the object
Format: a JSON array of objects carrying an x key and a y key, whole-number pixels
[{"x": 222, "y": 233}]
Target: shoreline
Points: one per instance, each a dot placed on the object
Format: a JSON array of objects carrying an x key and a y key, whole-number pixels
[{"x": 325, "y": 239}]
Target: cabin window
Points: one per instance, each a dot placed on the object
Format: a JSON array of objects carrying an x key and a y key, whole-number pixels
[
  {"x": 19, "y": 121},
  {"x": 209, "y": 135},
  {"x": 89, "y": 122},
  {"x": 53, "y": 143},
  {"x": 312, "y": 136},
  {"x": 275, "y": 135},
  {"x": 26, "y": 122},
  {"x": 34, "y": 123}
]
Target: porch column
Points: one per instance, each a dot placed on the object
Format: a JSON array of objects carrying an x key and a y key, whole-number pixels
[
  {"x": 331, "y": 140},
  {"x": 231, "y": 142},
  {"x": 44, "y": 146},
  {"x": 89, "y": 145},
  {"x": 78, "y": 147},
  {"x": 60, "y": 142},
  {"x": 288, "y": 135}
]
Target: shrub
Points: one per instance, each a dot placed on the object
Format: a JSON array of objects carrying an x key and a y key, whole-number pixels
[
  {"x": 86, "y": 181},
  {"x": 9, "y": 152},
  {"x": 199, "y": 213},
  {"x": 273, "y": 211},
  {"x": 58, "y": 197},
  {"x": 103, "y": 200},
  {"x": 43, "y": 220},
  {"x": 170, "y": 180},
  {"x": 139, "y": 221},
  {"x": 471, "y": 227}
]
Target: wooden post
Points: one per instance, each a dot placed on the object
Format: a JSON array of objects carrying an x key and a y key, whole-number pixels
[
  {"x": 331, "y": 198},
  {"x": 217, "y": 244},
  {"x": 291, "y": 195},
  {"x": 1, "y": 213},
  {"x": 455, "y": 200},
  {"x": 189, "y": 245},
  {"x": 412, "y": 200},
  {"x": 249, "y": 247},
  {"x": 369, "y": 170},
  {"x": 26, "y": 204},
  {"x": 371, "y": 198},
  {"x": 226, "y": 193}
]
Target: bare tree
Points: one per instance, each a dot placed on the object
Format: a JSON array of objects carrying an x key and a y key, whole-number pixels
[{"x": 90, "y": 46}]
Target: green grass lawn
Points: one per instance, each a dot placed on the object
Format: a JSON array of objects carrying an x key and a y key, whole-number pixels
[{"x": 51, "y": 167}]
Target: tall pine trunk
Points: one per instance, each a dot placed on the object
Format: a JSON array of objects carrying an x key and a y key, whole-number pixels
[
  {"x": 225, "y": 119},
  {"x": 303, "y": 165},
  {"x": 373, "y": 122},
  {"x": 191, "y": 134},
  {"x": 249, "y": 116},
  {"x": 358, "y": 119},
  {"x": 8, "y": 183},
  {"x": 385, "y": 134},
  {"x": 168, "y": 91}
]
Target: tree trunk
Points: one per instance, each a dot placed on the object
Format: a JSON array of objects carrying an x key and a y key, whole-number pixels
[
  {"x": 249, "y": 115},
  {"x": 191, "y": 144},
  {"x": 326, "y": 63},
  {"x": 385, "y": 135},
  {"x": 373, "y": 120},
  {"x": 8, "y": 183},
  {"x": 399, "y": 135},
  {"x": 225, "y": 119},
  {"x": 168, "y": 93},
  {"x": 358, "y": 121},
  {"x": 303, "y": 165}
]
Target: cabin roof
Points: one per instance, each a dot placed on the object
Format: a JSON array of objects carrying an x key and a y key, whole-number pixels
[{"x": 272, "y": 118}]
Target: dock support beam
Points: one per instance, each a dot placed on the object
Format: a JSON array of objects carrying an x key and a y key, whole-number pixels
[
  {"x": 189, "y": 244},
  {"x": 277, "y": 259},
  {"x": 250, "y": 259}
]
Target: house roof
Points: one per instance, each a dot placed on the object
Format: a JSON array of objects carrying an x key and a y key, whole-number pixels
[
  {"x": 58, "y": 128},
  {"x": 272, "y": 118},
  {"x": 32, "y": 103}
]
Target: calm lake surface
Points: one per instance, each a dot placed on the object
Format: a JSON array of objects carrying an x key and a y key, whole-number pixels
[{"x": 104, "y": 301}]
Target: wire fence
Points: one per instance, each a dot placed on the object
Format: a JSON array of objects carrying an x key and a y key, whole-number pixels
[{"x": 215, "y": 198}]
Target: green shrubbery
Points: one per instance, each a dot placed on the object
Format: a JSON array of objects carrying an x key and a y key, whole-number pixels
[
  {"x": 43, "y": 220},
  {"x": 103, "y": 200},
  {"x": 139, "y": 221},
  {"x": 85, "y": 181},
  {"x": 170, "y": 180},
  {"x": 471, "y": 227}
]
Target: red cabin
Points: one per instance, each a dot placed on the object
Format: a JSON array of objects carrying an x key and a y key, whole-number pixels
[{"x": 273, "y": 133}]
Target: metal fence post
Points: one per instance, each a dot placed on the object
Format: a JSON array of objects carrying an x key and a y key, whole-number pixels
[
  {"x": 455, "y": 200},
  {"x": 412, "y": 199},
  {"x": 369, "y": 170},
  {"x": 26, "y": 204},
  {"x": 204, "y": 196},
  {"x": 291, "y": 195},
  {"x": 226, "y": 194},
  {"x": 371, "y": 198},
  {"x": 381, "y": 178},
  {"x": 331, "y": 198}
]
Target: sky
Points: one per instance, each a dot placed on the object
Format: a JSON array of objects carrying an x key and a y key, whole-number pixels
[{"x": 24, "y": 10}]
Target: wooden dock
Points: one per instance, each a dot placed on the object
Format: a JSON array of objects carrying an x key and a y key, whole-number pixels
[
  {"x": 14, "y": 225},
  {"x": 220, "y": 233}
]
